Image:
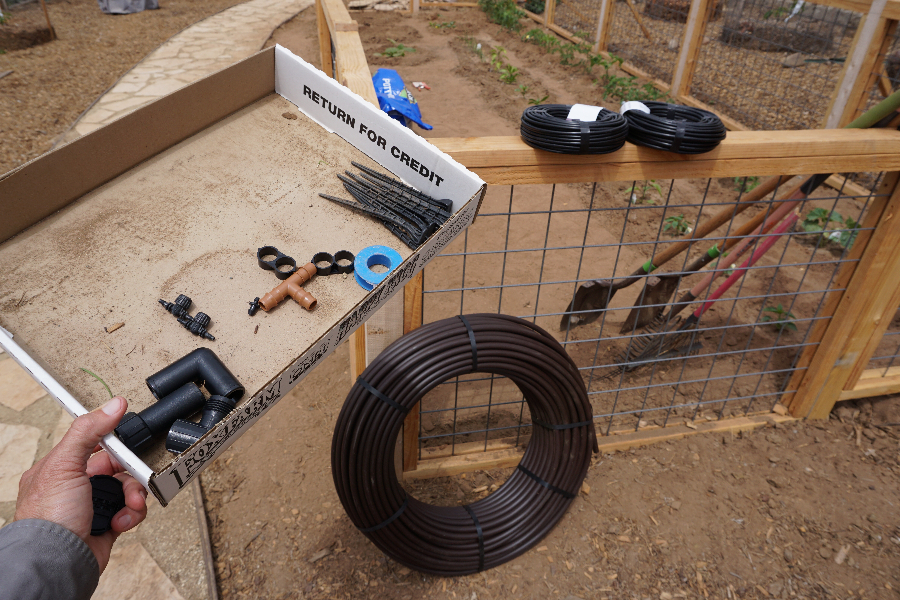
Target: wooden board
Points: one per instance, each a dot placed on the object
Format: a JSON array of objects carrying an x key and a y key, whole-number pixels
[
  {"x": 412, "y": 320},
  {"x": 874, "y": 285},
  {"x": 510, "y": 457},
  {"x": 604, "y": 23},
  {"x": 508, "y": 160},
  {"x": 690, "y": 46},
  {"x": 874, "y": 382}
]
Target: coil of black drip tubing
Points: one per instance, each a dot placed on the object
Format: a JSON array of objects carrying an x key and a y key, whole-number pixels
[
  {"x": 681, "y": 129},
  {"x": 459, "y": 540},
  {"x": 547, "y": 127}
]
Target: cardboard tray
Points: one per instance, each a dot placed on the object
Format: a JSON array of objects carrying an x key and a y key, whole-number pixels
[{"x": 175, "y": 198}]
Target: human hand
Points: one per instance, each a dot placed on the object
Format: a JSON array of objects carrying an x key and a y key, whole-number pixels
[{"x": 58, "y": 487}]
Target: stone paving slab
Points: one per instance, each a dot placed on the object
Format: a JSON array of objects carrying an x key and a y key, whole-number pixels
[
  {"x": 15, "y": 392},
  {"x": 132, "y": 574},
  {"x": 18, "y": 447},
  {"x": 212, "y": 44}
]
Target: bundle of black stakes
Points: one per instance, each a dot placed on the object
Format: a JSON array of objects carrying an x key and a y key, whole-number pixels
[{"x": 406, "y": 212}]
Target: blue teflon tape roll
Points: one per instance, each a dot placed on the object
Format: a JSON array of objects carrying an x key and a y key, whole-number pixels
[{"x": 368, "y": 258}]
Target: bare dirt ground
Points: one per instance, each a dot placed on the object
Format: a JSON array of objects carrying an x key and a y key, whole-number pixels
[
  {"x": 807, "y": 510},
  {"x": 52, "y": 83},
  {"x": 803, "y": 511}
]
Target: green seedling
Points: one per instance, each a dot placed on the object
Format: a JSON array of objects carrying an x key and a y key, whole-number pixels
[
  {"x": 503, "y": 12},
  {"x": 534, "y": 6},
  {"x": 536, "y": 101},
  {"x": 522, "y": 89},
  {"x": 745, "y": 184},
  {"x": 438, "y": 25},
  {"x": 818, "y": 219},
  {"x": 396, "y": 51},
  {"x": 848, "y": 235},
  {"x": 474, "y": 45},
  {"x": 508, "y": 74},
  {"x": 639, "y": 193},
  {"x": 676, "y": 225},
  {"x": 497, "y": 55},
  {"x": 779, "y": 318}
]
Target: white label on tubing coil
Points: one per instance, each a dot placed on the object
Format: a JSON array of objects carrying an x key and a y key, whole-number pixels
[
  {"x": 583, "y": 112},
  {"x": 633, "y": 105}
]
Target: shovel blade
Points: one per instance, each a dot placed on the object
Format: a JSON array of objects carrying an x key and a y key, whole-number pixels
[
  {"x": 651, "y": 302},
  {"x": 592, "y": 296}
]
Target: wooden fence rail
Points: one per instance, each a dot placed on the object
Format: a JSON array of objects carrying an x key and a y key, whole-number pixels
[{"x": 856, "y": 314}]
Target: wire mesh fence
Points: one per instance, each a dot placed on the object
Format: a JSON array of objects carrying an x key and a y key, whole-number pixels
[
  {"x": 648, "y": 35},
  {"x": 535, "y": 249},
  {"x": 578, "y": 17},
  {"x": 773, "y": 64}
]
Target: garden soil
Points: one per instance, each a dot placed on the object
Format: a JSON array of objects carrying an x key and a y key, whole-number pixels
[{"x": 801, "y": 510}]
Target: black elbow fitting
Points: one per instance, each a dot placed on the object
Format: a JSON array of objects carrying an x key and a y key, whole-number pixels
[
  {"x": 137, "y": 429},
  {"x": 185, "y": 434},
  {"x": 202, "y": 367}
]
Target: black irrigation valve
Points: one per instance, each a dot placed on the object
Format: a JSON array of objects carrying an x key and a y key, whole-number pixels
[
  {"x": 137, "y": 429},
  {"x": 183, "y": 434},
  {"x": 176, "y": 388},
  {"x": 197, "y": 324},
  {"x": 108, "y": 498}
]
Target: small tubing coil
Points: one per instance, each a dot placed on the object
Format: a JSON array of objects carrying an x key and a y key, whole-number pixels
[
  {"x": 546, "y": 127},
  {"x": 681, "y": 129},
  {"x": 459, "y": 540}
]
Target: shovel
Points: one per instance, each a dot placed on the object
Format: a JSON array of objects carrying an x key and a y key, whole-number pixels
[
  {"x": 656, "y": 293},
  {"x": 593, "y": 297}
]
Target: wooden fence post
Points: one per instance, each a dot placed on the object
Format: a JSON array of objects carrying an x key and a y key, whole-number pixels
[
  {"x": 324, "y": 40},
  {"x": 412, "y": 319},
  {"x": 872, "y": 293},
  {"x": 694, "y": 30},
  {"x": 604, "y": 22},
  {"x": 860, "y": 63},
  {"x": 549, "y": 12},
  {"x": 871, "y": 72}
]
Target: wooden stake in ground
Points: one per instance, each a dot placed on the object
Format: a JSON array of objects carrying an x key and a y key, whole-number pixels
[{"x": 49, "y": 24}]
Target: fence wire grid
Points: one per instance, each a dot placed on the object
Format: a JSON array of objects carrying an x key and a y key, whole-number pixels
[{"x": 532, "y": 247}]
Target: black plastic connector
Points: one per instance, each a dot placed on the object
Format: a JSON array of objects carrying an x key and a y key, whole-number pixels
[
  {"x": 201, "y": 367},
  {"x": 197, "y": 325},
  {"x": 184, "y": 434},
  {"x": 108, "y": 498},
  {"x": 137, "y": 429}
]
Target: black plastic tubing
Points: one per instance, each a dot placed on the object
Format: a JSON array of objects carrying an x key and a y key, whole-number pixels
[
  {"x": 463, "y": 539},
  {"x": 676, "y": 128},
  {"x": 545, "y": 127}
]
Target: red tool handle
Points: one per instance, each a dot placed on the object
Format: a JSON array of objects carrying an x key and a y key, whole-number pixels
[{"x": 761, "y": 249}]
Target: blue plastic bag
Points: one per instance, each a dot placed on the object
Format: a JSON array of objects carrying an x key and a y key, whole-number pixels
[{"x": 395, "y": 99}]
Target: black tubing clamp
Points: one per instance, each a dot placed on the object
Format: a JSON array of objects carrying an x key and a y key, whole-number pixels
[
  {"x": 334, "y": 265},
  {"x": 276, "y": 263}
]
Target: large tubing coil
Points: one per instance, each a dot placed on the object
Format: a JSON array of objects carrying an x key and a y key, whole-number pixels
[
  {"x": 460, "y": 540},
  {"x": 546, "y": 127}
]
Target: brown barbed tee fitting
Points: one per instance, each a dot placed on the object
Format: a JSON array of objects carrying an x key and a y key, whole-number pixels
[{"x": 292, "y": 287}]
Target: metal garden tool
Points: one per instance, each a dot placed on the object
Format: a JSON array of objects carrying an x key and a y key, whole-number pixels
[
  {"x": 675, "y": 336},
  {"x": 593, "y": 297},
  {"x": 657, "y": 293}
]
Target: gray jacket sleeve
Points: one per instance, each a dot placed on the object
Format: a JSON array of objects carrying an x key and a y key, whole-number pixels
[{"x": 40, "y": 560}]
